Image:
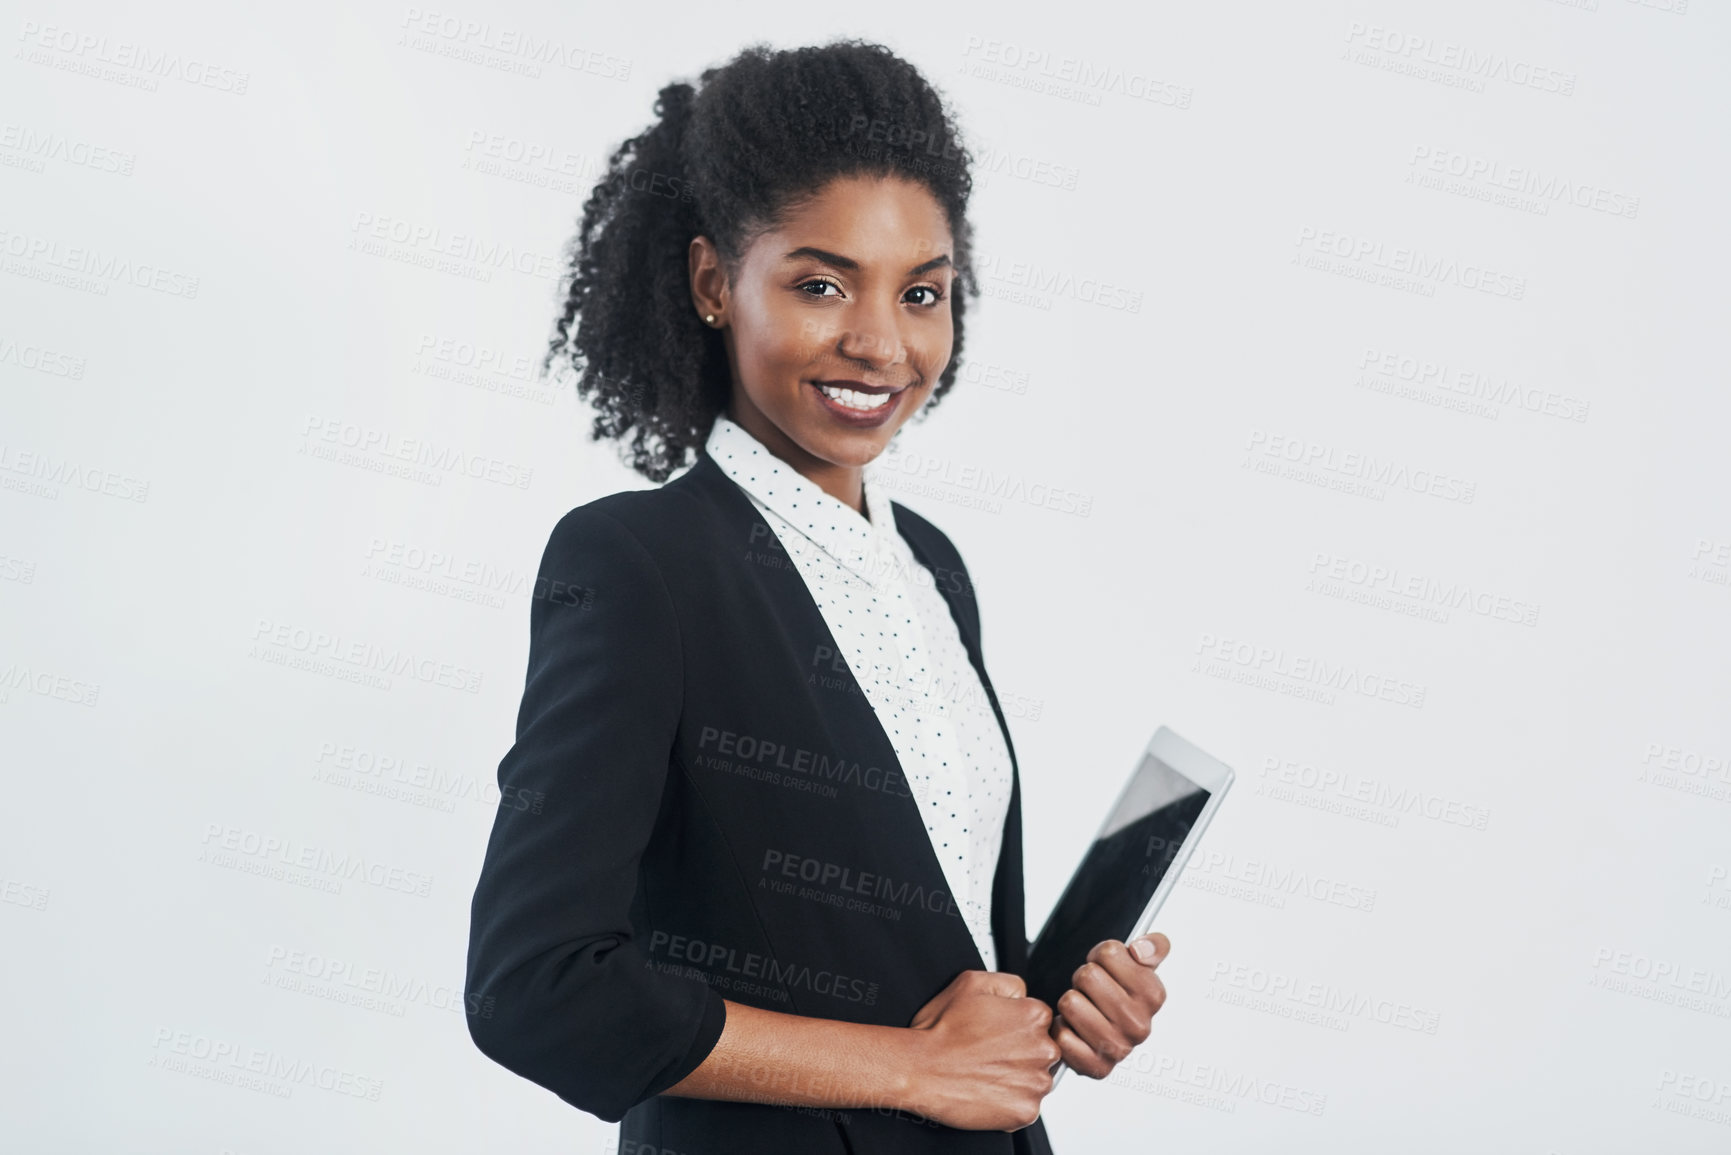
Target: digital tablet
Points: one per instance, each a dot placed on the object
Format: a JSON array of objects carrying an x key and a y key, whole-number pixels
[{"x": 1133, "y": 863}]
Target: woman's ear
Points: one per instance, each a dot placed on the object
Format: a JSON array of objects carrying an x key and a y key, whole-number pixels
[{"x": 708, "y": 281}]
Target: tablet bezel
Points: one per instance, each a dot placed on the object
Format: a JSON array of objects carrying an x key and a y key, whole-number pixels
[
  {"x": 1193, "y": 763},
  {"x": 1201, "y": 768}
]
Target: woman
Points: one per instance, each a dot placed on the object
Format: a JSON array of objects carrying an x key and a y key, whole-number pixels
[{"x": 756, "y": 881}]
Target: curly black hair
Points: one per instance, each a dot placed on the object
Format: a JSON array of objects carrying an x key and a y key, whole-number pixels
[{"x": 757, "y": 136}]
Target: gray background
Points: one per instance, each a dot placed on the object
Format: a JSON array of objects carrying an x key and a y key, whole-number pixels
[{"x": 1471, "y": 889}]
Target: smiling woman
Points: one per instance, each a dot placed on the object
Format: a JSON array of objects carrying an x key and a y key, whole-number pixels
[
  {"x": 773, "y": 900},
  {"x": 837, "y": 323},
  {"x": 753, "y": 144}
]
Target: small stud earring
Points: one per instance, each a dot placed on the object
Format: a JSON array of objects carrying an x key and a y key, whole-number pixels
[{"x": 709, "y": 318}]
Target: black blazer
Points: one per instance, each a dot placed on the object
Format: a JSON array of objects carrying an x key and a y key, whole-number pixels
[{"x": 700, "y": 804}]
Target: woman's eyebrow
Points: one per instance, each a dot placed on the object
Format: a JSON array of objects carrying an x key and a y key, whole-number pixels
[
  {"x": 852, "y": 265},
  {"x": 827, "y": 258}
]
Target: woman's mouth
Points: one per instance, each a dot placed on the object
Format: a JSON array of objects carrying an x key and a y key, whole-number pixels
[
  {"x": 857, "y": 398},
  {"x": 857, "y": 403}
]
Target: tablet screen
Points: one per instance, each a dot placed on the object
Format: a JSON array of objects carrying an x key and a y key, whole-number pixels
[{"x": 1118, "y": 876}]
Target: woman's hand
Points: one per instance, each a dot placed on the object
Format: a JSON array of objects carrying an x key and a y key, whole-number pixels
[
  {"x": 1111, "y": 1004},
  {"x": 984, "y": 1054}
]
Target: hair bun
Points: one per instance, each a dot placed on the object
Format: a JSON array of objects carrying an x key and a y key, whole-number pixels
[{"x": 673, "y": 103}]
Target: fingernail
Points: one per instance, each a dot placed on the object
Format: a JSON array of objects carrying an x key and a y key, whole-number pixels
[{"x": 1143, "y": 950}]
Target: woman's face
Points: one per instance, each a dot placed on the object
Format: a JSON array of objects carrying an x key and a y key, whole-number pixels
[{"x": 836, "y": 321}]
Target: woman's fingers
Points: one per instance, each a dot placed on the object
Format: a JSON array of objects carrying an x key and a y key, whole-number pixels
[
  {"x": 1150, "y": 949},
  {"x": 998, "y": 983},
  {"x": 1079, "y": 1043},
  {"x": 1135, "y": 977},
  {"x": 1111, "y": 1004}
]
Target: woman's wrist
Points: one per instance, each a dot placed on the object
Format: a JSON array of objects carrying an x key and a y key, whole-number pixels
[
  {"x": 910, "y": 1067},
  {"x": 768, "y": 1056},
  {"x": 887, "y": 1069}
]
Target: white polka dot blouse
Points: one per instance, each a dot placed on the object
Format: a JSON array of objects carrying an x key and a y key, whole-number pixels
[{"x": 894, "y": 629}]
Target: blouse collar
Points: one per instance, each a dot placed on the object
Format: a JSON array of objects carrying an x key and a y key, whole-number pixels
[{"x": 865, "y": 545}]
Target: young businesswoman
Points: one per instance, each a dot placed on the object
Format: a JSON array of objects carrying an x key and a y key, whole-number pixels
[{"x": 756, "y": 884}]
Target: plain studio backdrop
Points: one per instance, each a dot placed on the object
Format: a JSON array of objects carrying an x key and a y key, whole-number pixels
[{"x": 1347, "y": 392}]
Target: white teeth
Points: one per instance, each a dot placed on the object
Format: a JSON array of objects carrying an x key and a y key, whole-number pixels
[{"x": 854, "y": 399}]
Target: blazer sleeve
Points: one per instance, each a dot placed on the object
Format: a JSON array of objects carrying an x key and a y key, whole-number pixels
[{"x": 559, "y": 989}]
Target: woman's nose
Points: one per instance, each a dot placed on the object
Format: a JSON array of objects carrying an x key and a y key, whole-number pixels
[{"x": 871, "y": 335}]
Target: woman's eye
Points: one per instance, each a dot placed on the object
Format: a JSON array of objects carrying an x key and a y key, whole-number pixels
[
  {"x": 819, "y": 285},
  {"x": 932, "y": 298}
]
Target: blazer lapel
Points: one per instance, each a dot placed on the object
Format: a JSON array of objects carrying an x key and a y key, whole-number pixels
[{"x": 849, "y": 713}]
